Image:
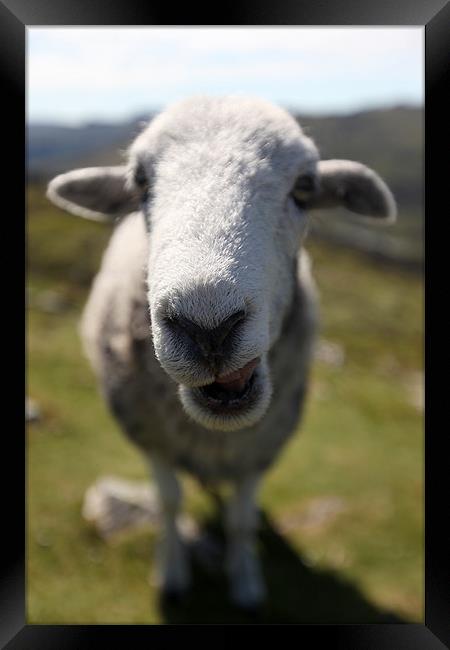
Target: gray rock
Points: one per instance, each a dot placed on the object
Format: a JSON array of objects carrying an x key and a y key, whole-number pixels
[
  {"x": 330, "y": 353},
  {"x": 32, "y": 410},
  {"x": 112, "y": 506}
]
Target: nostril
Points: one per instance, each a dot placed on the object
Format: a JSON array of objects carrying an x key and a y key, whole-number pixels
[
  {"x": 209, "y": 340},
  {"x": 228, "y": 325}
]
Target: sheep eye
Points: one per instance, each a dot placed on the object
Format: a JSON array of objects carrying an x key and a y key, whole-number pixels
[
  {"x": 140, "y": 178},
  {"x": 304, "y": 188}
]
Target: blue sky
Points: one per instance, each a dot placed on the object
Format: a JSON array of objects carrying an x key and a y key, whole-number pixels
[{"x": 82, "y": 74}]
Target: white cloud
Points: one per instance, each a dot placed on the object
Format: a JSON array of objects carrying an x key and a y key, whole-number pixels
[{"x": 87, "y": 61}]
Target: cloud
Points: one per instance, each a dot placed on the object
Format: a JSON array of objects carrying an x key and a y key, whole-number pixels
[{"x": 159, "y": 62}]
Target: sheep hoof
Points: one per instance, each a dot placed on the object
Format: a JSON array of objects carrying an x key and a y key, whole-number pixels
[
  {"x": 247, "y": 588},
  {"x": 249, "y": 597},
  {"x": 248, "y": 591}
]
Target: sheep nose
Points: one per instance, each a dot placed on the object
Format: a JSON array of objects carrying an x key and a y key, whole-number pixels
[{"x": 212, "y": 342}]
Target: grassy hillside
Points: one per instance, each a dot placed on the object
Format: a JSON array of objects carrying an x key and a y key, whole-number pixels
[{"x": 342, "y": 536}]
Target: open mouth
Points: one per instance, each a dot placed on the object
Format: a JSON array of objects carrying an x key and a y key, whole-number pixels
[
  {"x": 231, "y": 391},
  {"x": 233, "y": 401}
]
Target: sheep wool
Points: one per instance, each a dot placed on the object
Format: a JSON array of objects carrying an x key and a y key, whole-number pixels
[{"x": 201, "y": 321}]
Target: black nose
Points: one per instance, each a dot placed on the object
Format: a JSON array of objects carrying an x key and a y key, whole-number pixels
[{"x": 212, "y": 342}]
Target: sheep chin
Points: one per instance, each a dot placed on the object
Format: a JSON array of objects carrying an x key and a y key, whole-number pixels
[{"x": 233, "y": 421}]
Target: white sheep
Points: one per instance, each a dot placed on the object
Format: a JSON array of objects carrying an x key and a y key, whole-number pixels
[{"x": 201, "y": 321}]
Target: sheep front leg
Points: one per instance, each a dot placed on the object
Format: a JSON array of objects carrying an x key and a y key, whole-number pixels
[
  {"x": 172, "y": 561},
  {"x": 243, "y": 566}
]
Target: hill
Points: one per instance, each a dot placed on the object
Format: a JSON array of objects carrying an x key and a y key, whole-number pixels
[{"x": 389, "y": 140}]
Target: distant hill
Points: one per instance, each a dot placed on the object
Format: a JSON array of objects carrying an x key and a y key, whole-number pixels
[
  {"x": 52, "y": 149},
  {"x": 389, "y": 140}
]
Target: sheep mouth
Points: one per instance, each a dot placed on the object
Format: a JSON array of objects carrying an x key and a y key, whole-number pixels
[
  {"x": 231, "y": 391},
  {"x": 232, "y": 402},
  {"x": 225, "y": 398}
]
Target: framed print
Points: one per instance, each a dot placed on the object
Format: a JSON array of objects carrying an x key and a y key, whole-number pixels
[{"x": 65, "y": 572}]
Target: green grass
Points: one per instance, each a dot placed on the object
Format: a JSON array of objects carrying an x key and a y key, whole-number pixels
[{"x": 360, "y": 447}]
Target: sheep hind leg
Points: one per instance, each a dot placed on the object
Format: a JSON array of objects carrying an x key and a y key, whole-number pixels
[
  {"x": 172, "y": 564},
  {"x": 247, "y": 586}
]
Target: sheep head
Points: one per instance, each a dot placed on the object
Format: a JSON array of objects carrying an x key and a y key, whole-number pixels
[{"x": 225, "y": 187}]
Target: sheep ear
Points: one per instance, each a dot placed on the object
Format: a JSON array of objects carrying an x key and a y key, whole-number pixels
[
  {"x": 354, "y": 186},
  {"x": 97, "y": 193}
]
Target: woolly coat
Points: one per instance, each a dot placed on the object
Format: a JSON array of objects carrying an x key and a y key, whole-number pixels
[{"x": 116, "y": 332}]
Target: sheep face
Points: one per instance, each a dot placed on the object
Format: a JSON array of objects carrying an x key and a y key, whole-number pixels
[
  {"x": 225, "y": 232},
  {"x": 223, "y": 185}
]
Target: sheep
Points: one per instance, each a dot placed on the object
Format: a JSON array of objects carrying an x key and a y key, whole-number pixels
[{"x": 201, "y": 321}]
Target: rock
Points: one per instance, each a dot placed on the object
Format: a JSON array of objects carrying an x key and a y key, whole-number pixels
[
  {"x": 32, "y": 410},
  {"x": 112, "y": 506},
  {"x": 330, "y": 353}
]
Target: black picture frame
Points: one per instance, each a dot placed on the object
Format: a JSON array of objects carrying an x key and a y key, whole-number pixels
[{"x": 434, "y": 16}]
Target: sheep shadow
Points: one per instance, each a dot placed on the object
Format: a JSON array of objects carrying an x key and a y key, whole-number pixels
[{"x": 297, "y": 593}]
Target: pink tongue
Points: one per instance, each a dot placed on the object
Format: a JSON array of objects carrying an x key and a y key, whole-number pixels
[{"x": 235, "y": 381}]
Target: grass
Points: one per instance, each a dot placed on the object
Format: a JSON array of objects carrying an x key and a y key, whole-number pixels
[{"x": 342, "y": 533}]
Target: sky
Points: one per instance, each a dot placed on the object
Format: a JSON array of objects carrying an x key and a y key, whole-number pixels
[{"x": 77, "y": 75}]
